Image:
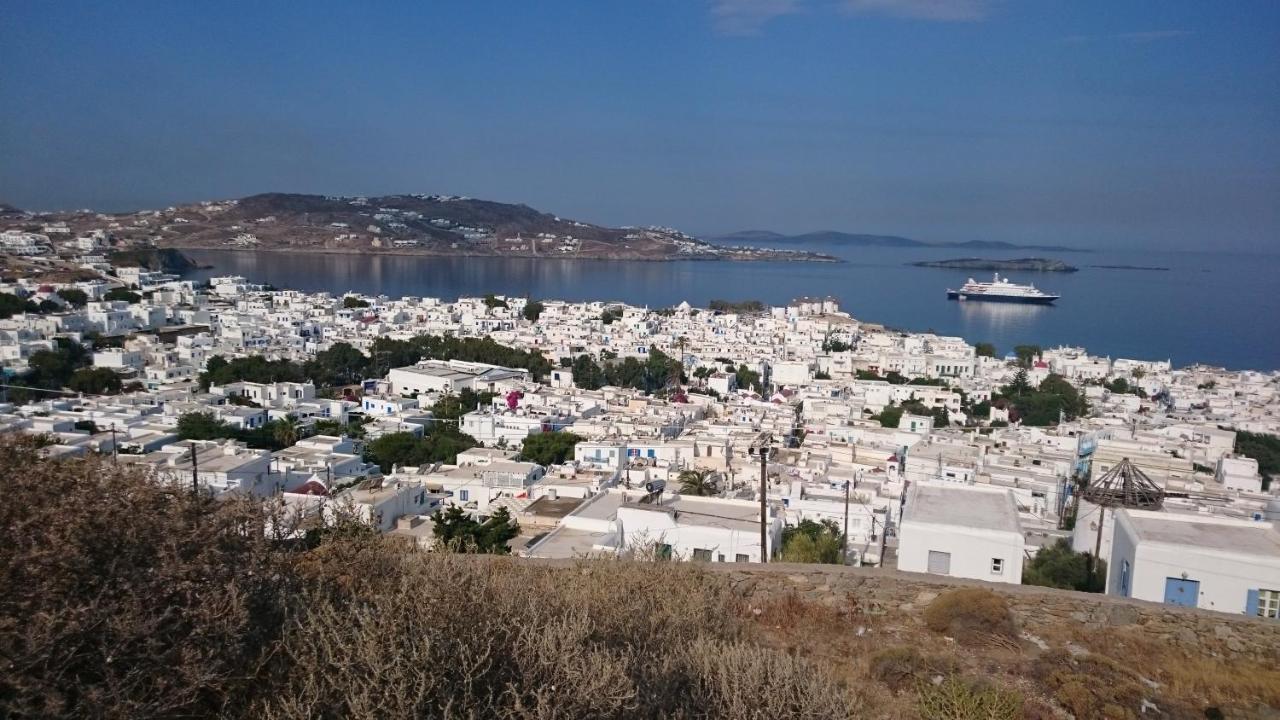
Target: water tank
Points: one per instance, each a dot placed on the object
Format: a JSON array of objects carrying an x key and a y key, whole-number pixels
[{"x": 655, "y": 486}]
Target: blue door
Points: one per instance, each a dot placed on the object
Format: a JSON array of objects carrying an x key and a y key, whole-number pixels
[{"x": 1181, "y": 592}]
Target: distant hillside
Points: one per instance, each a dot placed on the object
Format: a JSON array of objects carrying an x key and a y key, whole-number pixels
[
  {"x": 7, "y": 209},
  {"x": 405, "y": 224},
  {"x": 836, "y": 237}
]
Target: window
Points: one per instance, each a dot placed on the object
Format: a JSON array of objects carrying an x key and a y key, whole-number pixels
[
  {"x": 1269, "y": 603},
  {"x": 997, "y": 566},
  {"x": 720, "y": 557},
  {"x": 741, "y": 558},
  {"x": 464, "y": 495},
  {"x": 701, "y": 555},
  {"x": 1124, "y": 578}
]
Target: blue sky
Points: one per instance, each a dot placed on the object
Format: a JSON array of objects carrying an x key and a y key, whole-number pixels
[{"x": 1126, "y": 124}]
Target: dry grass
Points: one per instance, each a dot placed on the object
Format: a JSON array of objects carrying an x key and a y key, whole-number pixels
[{"x": 120, "y": 598}]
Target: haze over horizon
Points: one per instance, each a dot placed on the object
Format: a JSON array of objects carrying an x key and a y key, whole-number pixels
[{"x": 1098, "y": 124}]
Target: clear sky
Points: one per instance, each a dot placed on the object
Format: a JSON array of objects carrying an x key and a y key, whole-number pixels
[{"x": 1097, "y": 123}]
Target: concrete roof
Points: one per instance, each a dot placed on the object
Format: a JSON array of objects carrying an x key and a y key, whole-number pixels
[
  {"x": 963, "y": 506},
  {"x": 1236, "y": 537}
]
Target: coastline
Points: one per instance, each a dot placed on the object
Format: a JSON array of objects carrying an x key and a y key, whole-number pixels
[{"x": 404, "y": 252}]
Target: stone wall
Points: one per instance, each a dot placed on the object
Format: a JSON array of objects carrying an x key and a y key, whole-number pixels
[{"x": 881, "y": 591}]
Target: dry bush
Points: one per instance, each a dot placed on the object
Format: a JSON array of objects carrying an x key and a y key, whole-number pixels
[
  {"x": 121, "y": 597},
  {"x": 737, "y": 680},
  {"x": 905, "y": 666},
  {"x": 453, "y": 636},
  {"x": 957, "y": 698},
  {"x": 1091, "y": 686},
  {"x": 971, "y": 615}
]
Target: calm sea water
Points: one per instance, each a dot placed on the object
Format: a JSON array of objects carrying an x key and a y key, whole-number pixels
[{"x": 1215, "y": 308}]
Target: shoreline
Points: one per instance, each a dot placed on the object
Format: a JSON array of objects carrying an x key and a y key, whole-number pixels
[{"x": 394, "y": 252}]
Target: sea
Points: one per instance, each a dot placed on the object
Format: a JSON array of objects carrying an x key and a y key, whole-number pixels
[{"x": 1216, "y": 308}]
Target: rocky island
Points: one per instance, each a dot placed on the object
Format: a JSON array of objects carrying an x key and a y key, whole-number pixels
[{"x": 988, "y": 264}]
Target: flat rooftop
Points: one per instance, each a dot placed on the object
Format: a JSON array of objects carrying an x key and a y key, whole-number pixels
[
  {"x": 963, "y": 506},
  {"x": 566, "y": 542},
  {"x": 1255, "y": 539}
]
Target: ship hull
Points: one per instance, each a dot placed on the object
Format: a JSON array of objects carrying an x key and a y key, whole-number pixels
[{"x": 1020, "y": 300}]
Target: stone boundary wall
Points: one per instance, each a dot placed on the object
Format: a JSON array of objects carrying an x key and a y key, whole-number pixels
[{"x": 878, "y": 590}]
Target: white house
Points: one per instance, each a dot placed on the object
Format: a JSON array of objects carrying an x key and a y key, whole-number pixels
[
  {"x": 706, "y": 529},
  {"x": 1238, "y": 472},
  {"x": 961, "y": 531},
  {"x": 1214, "y": 563}
]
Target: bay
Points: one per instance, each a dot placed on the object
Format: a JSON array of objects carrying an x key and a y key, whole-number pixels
[{"x": 1215, "y": 308}]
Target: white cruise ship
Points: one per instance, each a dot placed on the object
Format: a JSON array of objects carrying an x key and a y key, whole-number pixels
[{"x": 1001, "y": 290}]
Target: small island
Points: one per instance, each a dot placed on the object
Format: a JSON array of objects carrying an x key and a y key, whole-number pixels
[
  {"x": 1019, "y": 265},
  {"x": 1131, "y": 267}
]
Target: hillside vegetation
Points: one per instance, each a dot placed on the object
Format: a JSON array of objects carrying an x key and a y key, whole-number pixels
[{"x": 125, "y": 597}]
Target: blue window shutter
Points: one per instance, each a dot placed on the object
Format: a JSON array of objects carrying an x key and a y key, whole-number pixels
[{"x": 1251, "y": 604}]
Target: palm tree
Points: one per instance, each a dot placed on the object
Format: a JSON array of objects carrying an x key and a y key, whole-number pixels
[
  {"x": 698, "y": 482},
  {"x": 285, "y": 432}
]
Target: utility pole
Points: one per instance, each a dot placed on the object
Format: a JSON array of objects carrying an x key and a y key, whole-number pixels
[
  {"x": 761, "y": 447},
  {"x": 195, "y": 470},
  {"x": 844, "y": 539},
  {"x": 115, "y": 458},
  {"x": 764, "y": 496}
]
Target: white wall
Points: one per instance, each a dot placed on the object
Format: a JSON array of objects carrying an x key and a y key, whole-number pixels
[
  {"x": 1225, "y": 577},
  {"x": 971, "y": 550}
]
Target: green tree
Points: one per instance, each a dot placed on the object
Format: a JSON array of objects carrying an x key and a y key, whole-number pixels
[
  {"x": 1018, "y": 387},
  {"x": 285, "y": 432},
  {"x": 439, "y": 444},
  {"x": 457, "y": 531},
  {"x": 453, "y": 407},
  {"x": 813, "y": 542},
  {"x": 353, "y": 302},
  {"x": 610, "y": 315},
  {"x": 698, "y": 482},
  {"x": 120, "y": 293},
  {"x": 890, "y": 416},
  {"x": 549, "y": 448},
  {"x": 1026, "y": 354},
  {"x": 586, "y": 373},
  {"x": 748, "y": 379},
  {"x": 254, "y": 368},
  {"x": 533, "y": 310},
  {"x": 1058, "y": 566},
  {"x": 203, "y": 426},
  {"x": 95, "y": 381},
  {"x": 54, "y": 368},
  {"x": 341, "y": 364},
  {"x": 985, "y": 349},
  {"x": 74, "y": 296},
  {"x": 1263, "y": 448},
  {"x": 493, "y": 301},
  {"x": 11, "y": 305}
]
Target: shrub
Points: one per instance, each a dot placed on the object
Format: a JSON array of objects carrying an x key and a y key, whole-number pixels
[
  {"x": 959, "y": 699},
  {"x": 970, "y": 615},
  {"x": 128, "y": 597},
  {"x": 903, "y": 666}
]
